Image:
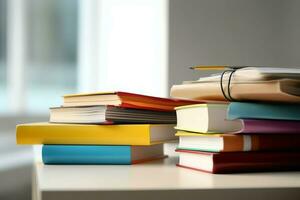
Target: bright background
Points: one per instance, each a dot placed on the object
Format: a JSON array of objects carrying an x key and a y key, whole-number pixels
[
  {"x": 49, "y": 48},
  {"x": 67, "y": 46},
  {"x": 52, "y": 47}
]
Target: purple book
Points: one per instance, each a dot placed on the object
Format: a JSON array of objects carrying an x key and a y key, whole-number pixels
[{"x": 270, "y": 126}]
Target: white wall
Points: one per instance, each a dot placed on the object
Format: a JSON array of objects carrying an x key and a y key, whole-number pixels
[
  {"x": 291, "y": 36},
  {"x": 236, "y": 32}
]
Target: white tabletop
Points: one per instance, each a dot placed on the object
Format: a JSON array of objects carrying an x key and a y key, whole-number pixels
[{"x": 162, "y": 175}]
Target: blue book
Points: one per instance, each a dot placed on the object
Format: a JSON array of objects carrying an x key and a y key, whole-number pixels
[
  {"x": 97, "y": 154},
  {"x": 237, "y": 110}
]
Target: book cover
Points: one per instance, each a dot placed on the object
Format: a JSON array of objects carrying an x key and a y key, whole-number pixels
[
  {"x": 126, "y": 100},
  {"x": 281, "y": 90},
  {"x": 232, "y": 162},
  {"x": 263, "y": 126},
  {"x": 96, "y": 154},
  {"x": 125, "y": 134},
  {"x": 212, "y": 118},
  {"x": 238, "y": 142},
  {"x": 277, "y": 111}
]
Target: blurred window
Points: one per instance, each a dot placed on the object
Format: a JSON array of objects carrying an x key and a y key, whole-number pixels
[
  {"x": 3, "y": 89},
  {"x": 52, "y": 45},
  {"x": 130, "y": 50}
]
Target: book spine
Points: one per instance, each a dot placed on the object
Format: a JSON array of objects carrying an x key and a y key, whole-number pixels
[
  {"x": 237, "y": 110},
  {"x": 255, "y": 161},
  {"x": 80, "y": 154},
  {"x": 270, "y": 126},
  {"x": 84, "y": 135},
  {"x": 261, "y": 142},
  {"x": 251, "y": 142}
]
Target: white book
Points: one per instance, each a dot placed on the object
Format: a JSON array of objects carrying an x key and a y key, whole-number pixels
[{"x": 206, "y": 118}]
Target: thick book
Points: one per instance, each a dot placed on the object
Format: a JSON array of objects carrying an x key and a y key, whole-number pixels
[
  {"x": 232, "y": 162},
  {"x": 129, "y": 134},
  {"x": 124, "y": 99},
  {"x": 110, "y": 115},
  {"x": 277, "y": 111},
  {"x": 212, "y": 118},
  {"x": 95, "y": 154},
  {"x": 238, "y": 142},
  {"x": 281, "y": 90},
  {"x": 206, "y": 118}
]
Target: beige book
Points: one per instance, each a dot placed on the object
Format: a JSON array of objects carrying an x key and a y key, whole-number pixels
[
  {"x": 282, "y": 90},
  {"x": 256, "y": 74}
]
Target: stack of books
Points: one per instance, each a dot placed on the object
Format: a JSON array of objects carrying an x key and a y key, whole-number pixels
[
  {"x": 250, "y": 121},
  {"x": 104, "y": 128}
]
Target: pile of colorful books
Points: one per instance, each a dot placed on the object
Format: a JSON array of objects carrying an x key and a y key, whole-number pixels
[
  {"x": 250, "y": 121},
  {"x": 243, "y": 119},
  {"x": 104, "y": 128}
]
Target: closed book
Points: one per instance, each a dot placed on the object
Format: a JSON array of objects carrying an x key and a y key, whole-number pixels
[
  {"x": 124, "y": 99},
  {"x": 129, "y": 134},
  {"x": 96, "y": 154},
  {"x": 269, "y": 126},
  {"x": 281, "y": 90},
  {"x": 238, "y": 142},
  {"x": 206, "y": 118},
  {"x": 252, "y": 73},
  {"x": 110, "y": 115},
  {"x": 277, "y": 111},
  {"x": 231, "y": 162},
  {"x": 213, "y": 118}
]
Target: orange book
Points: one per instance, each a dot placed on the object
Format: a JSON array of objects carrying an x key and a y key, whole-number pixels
[
  {"x": 126, "y": 100},
  {"x": 237, "y": 142}
]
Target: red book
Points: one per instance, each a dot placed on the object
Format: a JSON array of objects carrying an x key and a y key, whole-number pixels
[
  {"x": 126, "y": 100},
  {"x": 231, "y": 162}
]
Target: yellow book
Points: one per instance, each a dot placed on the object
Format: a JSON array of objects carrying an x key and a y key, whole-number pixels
[
  {"x": 133, "y": 134},
  {"x": 188, "y": 133}
]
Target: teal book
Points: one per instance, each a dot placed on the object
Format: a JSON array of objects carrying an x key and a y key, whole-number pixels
[
  {"x": 238, "y": 110},
  {"x": 97, "y": 154}
]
